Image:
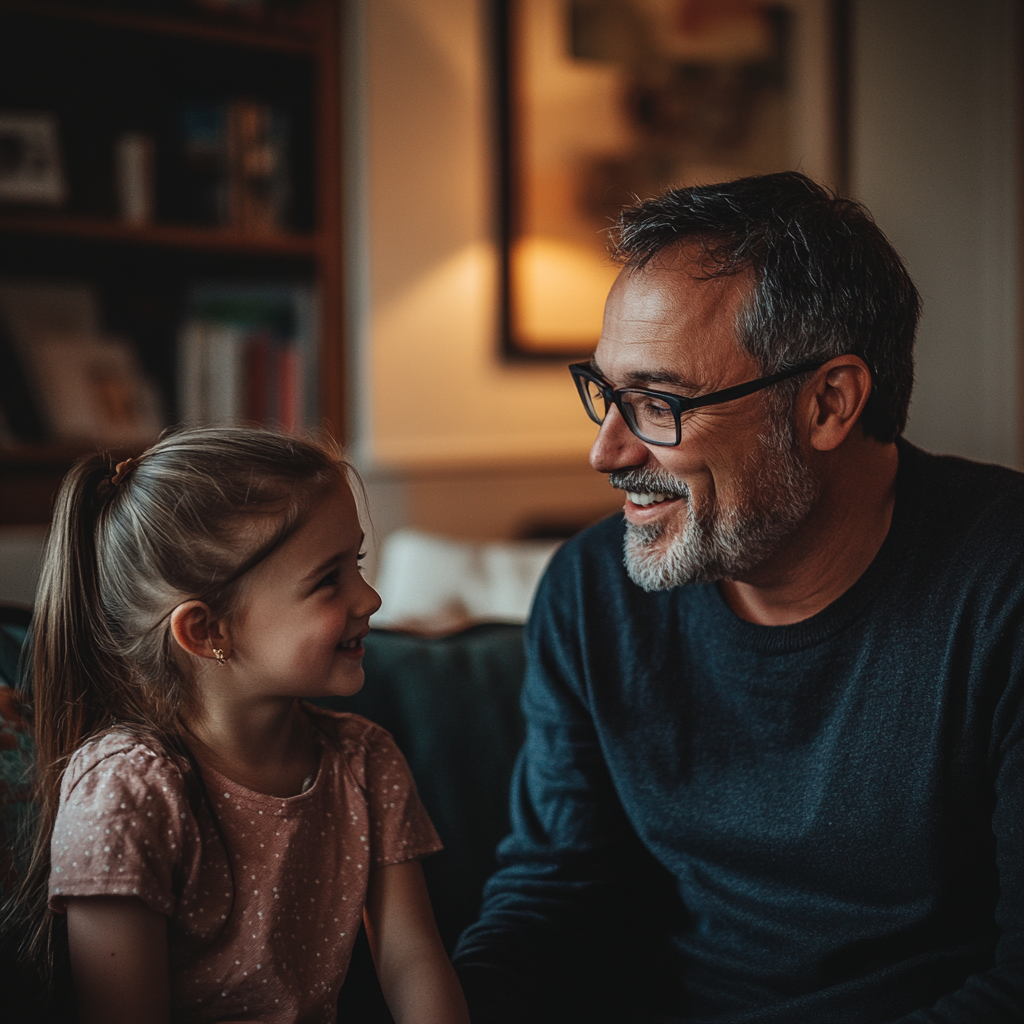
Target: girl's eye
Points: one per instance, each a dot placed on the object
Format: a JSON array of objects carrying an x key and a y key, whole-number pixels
[
  {"x": 359, "y": 561},
  {"x": 330, "y": 580}
]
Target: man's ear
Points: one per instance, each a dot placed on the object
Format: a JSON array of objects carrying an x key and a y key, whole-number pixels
[
  {"x": 833, "y": 403},
  {"x": 197, "y": 632}
]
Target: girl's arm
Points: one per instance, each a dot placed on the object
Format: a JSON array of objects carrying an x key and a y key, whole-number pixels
[
  {"x": 119, "y": 960},
  {"x": 415, "y": 974}
]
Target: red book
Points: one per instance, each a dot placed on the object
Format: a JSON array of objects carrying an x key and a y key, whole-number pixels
[{"x": 257, "y": 398}]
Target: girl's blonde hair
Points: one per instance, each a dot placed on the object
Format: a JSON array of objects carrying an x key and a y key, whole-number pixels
[{"x": 186, "y": 520}]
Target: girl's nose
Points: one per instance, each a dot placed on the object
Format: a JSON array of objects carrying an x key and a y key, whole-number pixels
[{"x": 369, "y": 601}]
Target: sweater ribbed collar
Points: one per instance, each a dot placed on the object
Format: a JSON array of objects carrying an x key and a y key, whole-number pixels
[{"x": 850, "y": 605}]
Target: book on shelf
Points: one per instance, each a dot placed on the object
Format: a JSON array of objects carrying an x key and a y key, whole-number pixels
[
  {"x": 233, "y": 166},
  {"x": 247, "y": 354}
]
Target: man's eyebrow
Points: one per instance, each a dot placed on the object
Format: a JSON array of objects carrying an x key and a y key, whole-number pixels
[{"x": 639, "y": 379}]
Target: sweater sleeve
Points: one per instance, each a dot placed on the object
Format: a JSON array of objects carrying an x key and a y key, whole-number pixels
[
  {"x": 552, "y": 915},
  {"x": 997, "y": 994}
]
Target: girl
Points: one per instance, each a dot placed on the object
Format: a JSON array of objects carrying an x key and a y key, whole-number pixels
[{"x": 212, "y": 841}]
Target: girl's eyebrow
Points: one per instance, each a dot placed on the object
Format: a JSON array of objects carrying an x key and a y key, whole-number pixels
[{"x": 331, "y": 562}]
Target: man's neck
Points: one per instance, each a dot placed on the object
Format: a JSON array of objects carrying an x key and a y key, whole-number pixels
[{"x": 831, "y": 549}]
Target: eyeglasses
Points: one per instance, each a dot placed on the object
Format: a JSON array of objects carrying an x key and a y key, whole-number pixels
[{"x": 654, "y": 415}]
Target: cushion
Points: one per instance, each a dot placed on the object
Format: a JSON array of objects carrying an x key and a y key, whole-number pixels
[{"x": 17, "y": 749}]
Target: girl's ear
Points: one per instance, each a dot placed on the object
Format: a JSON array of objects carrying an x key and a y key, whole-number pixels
[{"x": 197, "y": 632}]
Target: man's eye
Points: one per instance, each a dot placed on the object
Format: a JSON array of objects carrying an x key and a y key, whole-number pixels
[{"x": 653, "y": 408}]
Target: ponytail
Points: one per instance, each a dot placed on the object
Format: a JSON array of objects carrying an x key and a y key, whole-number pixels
[{"x": 74, "y": 669}]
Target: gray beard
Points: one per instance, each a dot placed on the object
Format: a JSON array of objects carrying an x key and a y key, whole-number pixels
[{"x": 778, "y": 492}]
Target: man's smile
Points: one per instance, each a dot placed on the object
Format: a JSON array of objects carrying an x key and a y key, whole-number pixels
[
  {"x": 648, "y": 494},
  {"x": 648, "y": 498}
]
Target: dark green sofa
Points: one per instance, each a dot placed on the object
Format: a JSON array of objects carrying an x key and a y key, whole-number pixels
[{"x": 453, "y": 707}]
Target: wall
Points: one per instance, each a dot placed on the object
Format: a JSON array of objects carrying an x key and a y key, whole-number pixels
[
  {"x": 934, "y": 116},
  {"x": 452, "y": 439},
  {"x": 448, "y": 438},
  {"x": 437, "y": 394}
]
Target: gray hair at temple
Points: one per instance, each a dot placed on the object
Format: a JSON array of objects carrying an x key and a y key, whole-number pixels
[{"x": 827, "y": 282}]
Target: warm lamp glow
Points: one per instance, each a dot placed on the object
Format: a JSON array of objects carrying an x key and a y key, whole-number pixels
[{"x": 560, "y": 290}]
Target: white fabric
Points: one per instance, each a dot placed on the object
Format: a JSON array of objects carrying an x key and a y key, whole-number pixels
[{"x": 433, "y": 584}]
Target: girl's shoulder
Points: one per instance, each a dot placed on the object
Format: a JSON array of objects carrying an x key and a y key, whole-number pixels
[{"x": 122, "y": 751}]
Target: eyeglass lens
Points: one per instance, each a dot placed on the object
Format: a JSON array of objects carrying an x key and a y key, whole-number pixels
[{"x": 650, "y": 417}]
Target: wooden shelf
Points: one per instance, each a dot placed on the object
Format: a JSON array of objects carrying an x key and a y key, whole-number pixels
[
  {"x": 163, "y": 235},
  {"x": 102, "y": 70},
  {"x": 267, "y": 33},
  {"x": 50, "y": 454}
]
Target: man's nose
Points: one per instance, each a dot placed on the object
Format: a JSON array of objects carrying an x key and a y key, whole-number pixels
[{"x": 616, "y": 446}]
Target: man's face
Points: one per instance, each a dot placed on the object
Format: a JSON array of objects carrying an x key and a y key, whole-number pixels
[{"x": 717, "y": 505}]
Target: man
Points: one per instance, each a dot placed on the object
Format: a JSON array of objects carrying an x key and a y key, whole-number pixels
[{"x": 774, "y": 766}]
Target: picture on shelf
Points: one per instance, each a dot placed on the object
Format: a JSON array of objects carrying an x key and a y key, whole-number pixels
[
  {"x": 93, "y": 389},
  {"x": 247, "y": 354},
  {"x": 30, "y": 161},
  {"x": 65, "y": 379}
]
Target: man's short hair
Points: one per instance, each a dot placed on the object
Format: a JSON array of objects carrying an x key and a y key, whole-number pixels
[{"x": 827, "y": 282}]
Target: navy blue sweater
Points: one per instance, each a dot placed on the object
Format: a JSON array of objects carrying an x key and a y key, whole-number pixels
[{"x": 715, "y": 820}]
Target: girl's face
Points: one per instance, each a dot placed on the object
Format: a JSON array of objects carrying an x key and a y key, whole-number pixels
[{"x": 303, "y": 612}]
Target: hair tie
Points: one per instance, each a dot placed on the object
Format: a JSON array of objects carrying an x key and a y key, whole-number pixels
[{"x": 122, "y": 470}]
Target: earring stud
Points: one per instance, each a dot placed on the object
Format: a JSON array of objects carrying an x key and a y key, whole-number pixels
[{"x": 219, "y": 655}]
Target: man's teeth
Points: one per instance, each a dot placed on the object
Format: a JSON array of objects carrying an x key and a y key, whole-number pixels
[{"x": 646, "y": 498}]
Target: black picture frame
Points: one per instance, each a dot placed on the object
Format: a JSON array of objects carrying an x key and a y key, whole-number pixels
[{"x": 802, "y": 72}]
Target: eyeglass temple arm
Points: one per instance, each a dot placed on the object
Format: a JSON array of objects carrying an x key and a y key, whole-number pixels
[{"x": 742, "y": 390}]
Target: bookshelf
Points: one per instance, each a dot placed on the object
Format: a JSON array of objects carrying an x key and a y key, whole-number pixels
[{"x": 105, "y": 67}]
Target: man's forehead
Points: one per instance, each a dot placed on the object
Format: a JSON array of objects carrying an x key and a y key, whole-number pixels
[
  {"x": 667, "y": 321},
  {"x": 672, "y": 286}
]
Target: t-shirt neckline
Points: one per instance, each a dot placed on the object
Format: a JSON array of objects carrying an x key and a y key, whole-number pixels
[{"x": 256, "y": 798}]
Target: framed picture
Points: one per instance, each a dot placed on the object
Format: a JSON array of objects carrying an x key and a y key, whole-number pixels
[
  {"x": 605, "y": 101},
  {"x": 30, "y": 166}
]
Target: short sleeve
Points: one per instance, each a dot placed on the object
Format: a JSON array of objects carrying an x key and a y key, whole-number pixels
[
  {"x": 121, "y": 825},
  {"x": 400, "y": 828}
]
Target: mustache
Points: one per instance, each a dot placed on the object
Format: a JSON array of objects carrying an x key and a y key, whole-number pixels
[{"x": 645, "y": 481}]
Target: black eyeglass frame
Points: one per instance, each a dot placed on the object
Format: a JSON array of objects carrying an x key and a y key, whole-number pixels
[{"x": 582, "y": 373}]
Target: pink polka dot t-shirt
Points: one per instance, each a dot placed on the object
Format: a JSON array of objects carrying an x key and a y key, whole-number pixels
[{"x": 264, "y": 902}]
